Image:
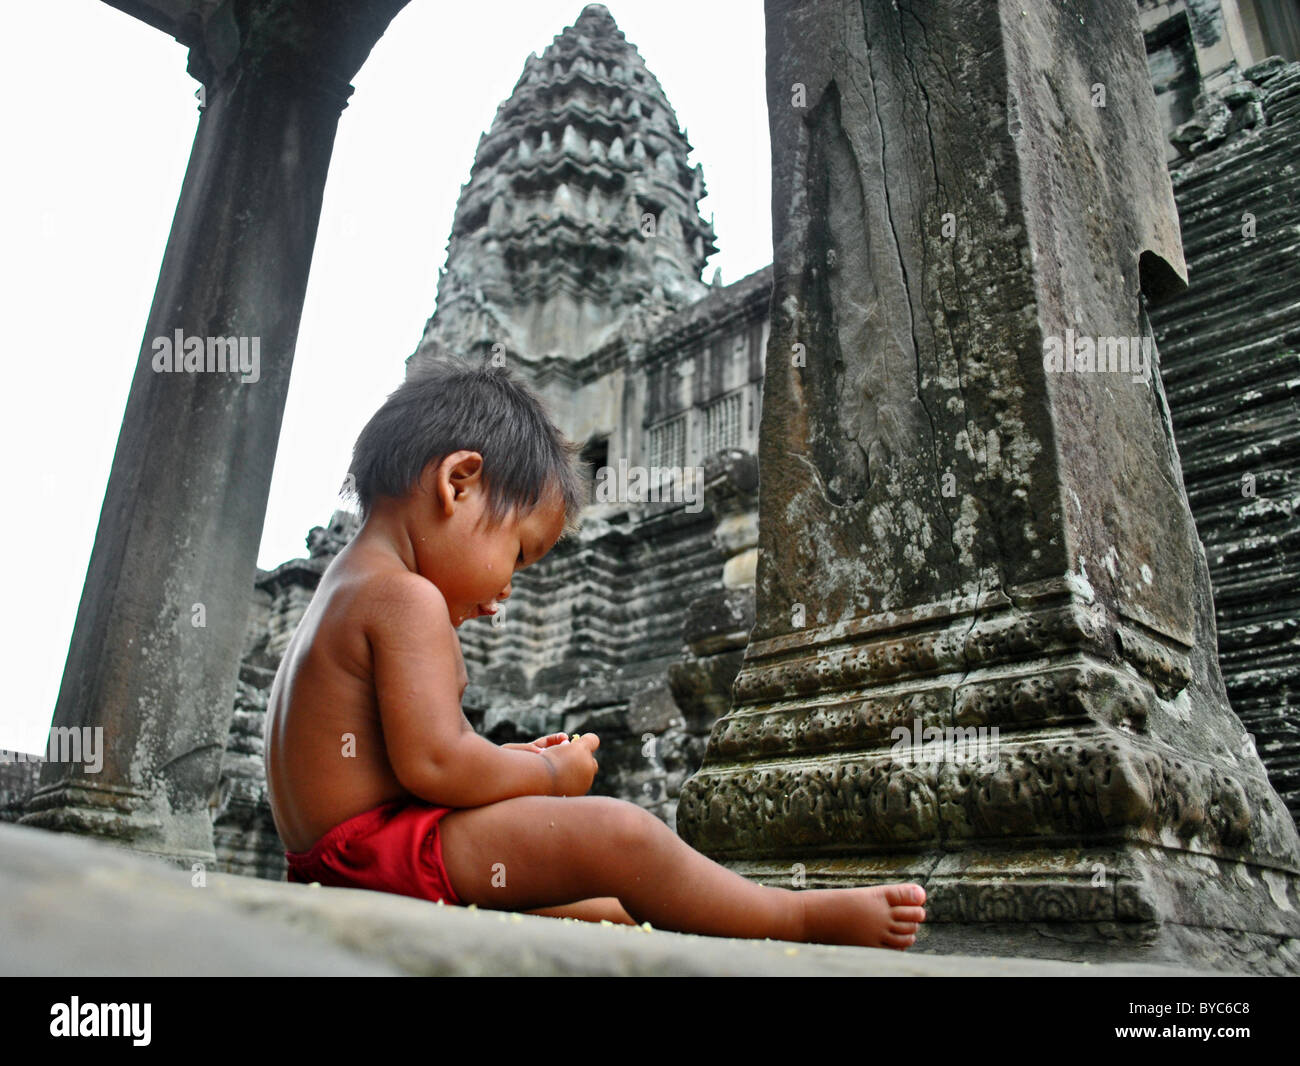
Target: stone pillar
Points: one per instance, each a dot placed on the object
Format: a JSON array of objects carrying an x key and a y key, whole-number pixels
[
  {"x": 155, "y": 651},
  {"x": 984, "y": 655}
]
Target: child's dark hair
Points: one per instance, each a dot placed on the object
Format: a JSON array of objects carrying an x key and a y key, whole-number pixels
[{"x": 452, "y": 406}]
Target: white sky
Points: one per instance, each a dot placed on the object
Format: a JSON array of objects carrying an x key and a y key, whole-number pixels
[{"x": 97, "y": 116}]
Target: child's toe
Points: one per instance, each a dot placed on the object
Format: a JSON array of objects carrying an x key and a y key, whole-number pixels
[{"x": 905, "y": 895}]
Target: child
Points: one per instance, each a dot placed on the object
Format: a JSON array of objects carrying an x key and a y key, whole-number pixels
[{"x": 376, "y": 778}]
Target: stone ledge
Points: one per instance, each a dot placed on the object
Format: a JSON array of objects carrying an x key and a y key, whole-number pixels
[{"x": 80, "y": 907}]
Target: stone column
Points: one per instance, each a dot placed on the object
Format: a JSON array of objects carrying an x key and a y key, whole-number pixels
[
  {"x": 984, "y": 656},
  {"x": 155, "y": 651}
]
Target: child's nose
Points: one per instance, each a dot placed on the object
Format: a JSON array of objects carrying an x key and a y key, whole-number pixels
[{"x": 504, "y": 594}]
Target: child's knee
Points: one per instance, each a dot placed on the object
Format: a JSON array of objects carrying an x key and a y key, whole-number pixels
[{"x": 625, "y": 824}]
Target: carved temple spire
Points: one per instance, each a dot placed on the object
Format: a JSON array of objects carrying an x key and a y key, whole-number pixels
[{"x": 580, "y": 215}]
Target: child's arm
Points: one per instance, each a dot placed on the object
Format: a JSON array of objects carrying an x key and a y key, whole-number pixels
[{"x": 432, "y": 749}]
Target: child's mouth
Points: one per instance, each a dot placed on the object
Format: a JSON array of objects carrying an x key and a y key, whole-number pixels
[{"x": 490, "y": 608}]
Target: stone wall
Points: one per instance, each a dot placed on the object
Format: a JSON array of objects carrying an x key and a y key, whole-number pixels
[
  {"x": 17, "y": 781},
  {"x": 1228, "y": 350}
]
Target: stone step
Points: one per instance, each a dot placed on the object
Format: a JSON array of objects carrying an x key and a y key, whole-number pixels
[
  {"x": 1283, "y": 627},
  {"x": 1271, "y": 545},
  {"x": 1251, "y": 362},
  {"x": 58, "y": 888},
  {"x": 1234, "y": 373},
  {"x": 1262, "y": 283},
  {"x": 1259, "y": 651},
  {"x": 1223, "y": 491},
  {"x": 1228, "y": 523},
  {"x": 1279, "y": 327},
  {"x": 1258, "y": 537},
  {"x": 1273, "y": 625},
  {"x": 1281, "y": 86},
  {"x": 1276, "y": 398},
  {"x": 1235, "y": 439},
  {"x": 1285, "y": 111},
  {"x": 1258, "y": 263},
  {"x": 1240, "y": 591},
  {"x": 1195, "y": 183},
  {"x": 1220, "y": 224},
  {"x": 1236, "y": 454}
]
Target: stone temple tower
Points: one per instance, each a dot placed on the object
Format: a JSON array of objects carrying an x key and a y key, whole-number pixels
[{"x": 579, "y": 220}]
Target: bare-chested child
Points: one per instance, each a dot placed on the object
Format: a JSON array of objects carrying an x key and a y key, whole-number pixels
[{"x": 376, "y": 778}]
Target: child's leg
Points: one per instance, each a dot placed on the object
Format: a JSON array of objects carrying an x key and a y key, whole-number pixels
[
  {"x": 542, "y": 852},
  {"x": 607, "y": 909}
]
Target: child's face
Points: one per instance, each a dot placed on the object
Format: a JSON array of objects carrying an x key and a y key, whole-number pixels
[{"x": 474, "y": 565}]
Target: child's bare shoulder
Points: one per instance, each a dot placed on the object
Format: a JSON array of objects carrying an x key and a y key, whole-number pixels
[{"x": 387, "y": 595}]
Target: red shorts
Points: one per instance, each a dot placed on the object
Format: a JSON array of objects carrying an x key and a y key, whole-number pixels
[{"x": 394, "y": 848}]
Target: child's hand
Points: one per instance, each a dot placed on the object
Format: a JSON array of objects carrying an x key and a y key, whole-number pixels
[
  {"x": 540, "y": 743},
  {"x": 573, "y": 765}
]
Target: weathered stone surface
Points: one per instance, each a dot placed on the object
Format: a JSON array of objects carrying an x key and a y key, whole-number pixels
[
  {"x": 953, "y": 536},
  {"x": 75, "y": 907},
  {"x": 1228, "y": 351}
]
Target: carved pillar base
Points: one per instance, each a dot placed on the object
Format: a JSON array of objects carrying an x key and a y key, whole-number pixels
[
  {"x": 126, "y": 817},
  {"x": 1001, "y": 755},
  {"x": 1053, "y": 904}
]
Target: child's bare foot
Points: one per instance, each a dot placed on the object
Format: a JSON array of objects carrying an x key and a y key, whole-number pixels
[{"x": 884, "y": 916}]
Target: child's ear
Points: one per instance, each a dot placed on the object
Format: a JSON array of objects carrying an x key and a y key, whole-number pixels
[{"x": 451, "y": 479}]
